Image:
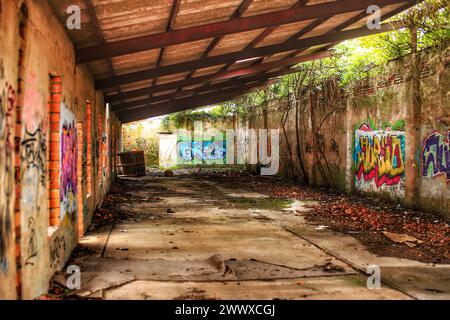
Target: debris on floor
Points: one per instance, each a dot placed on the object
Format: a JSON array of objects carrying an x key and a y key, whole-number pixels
[
  {"x": 168, "y": 173},
  {"x": 410, "y": 241},
  {"x": 124, "y": 192}
]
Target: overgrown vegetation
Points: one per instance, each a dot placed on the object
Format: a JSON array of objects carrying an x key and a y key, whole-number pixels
[{"x": 136, "y": 139}]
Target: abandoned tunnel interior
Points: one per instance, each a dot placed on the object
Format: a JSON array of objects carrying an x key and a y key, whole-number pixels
[{"x": 211, "y": 149}]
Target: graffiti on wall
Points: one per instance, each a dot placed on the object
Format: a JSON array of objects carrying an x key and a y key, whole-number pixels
[
  {"x": 57, "y": 252},
  {"x": 33, "y": 176},
  {"x": 68, "y": 164},
  {"x": 435, "y": 155},
  {"x": 214, "y": 150},
  {"x": 380, "y": 161},
  {"x": 204, "y": 151},
  {"x": 7, "y": 104},
  {"x": 84, "y": 161},
  {"x": 32, "y": 243},
  {"x": 107, "y": 146},
  {"x": 34, "y": 151}
]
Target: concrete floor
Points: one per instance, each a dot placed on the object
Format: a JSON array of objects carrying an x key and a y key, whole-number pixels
[{"x": 213, "y": 245}]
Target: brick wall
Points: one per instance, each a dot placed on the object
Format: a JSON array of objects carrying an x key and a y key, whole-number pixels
[{"x": 54, "y": 153}]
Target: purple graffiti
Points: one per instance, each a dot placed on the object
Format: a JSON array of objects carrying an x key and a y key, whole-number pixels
[
  {"x": 68, "y": 184},
  {"x": 435, "y": 155}
]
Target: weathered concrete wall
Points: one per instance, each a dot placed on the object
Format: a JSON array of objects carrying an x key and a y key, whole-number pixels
[
  {"x": 389, "y": 138},
  {"x": 45, "y": 139},
  {"x": 433, "y": 155}
]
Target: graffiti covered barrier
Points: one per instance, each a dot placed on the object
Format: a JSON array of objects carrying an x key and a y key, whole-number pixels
[
  {"x": 435, "y": 155},
  {"x": 380, "y": 161}
]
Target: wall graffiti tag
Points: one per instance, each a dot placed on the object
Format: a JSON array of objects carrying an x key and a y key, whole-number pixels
[
  {"x": 57, "y": 252},
  {"x": 34, "y": 150},
  {"x": 435, "y": 155},
  {"x": 7, "y": 104},
  {"x": 68, "y": 164},
  {"x": 380, "y": 161},
  {"x": 32, "y": 242},
  {"x": 84, "y": 163},
  {"x": 33, "y": 176},
  {"x": 214, "y": 150},
  {"x": 206, "y": 151}
]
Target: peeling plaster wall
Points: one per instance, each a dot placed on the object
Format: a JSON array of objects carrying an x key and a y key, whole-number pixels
[
  {"x": 390, "y": 138},
  {"x": 42, "y": 248}
]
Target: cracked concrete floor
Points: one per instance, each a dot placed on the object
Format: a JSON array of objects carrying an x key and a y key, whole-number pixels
[{"x": 203, "y": 241}]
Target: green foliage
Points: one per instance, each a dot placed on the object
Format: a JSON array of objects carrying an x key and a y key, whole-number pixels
[
  {"x": 216, "y": 113},
  {"x": 428, "y": 26},
  {"x": 149, "y": 145}
]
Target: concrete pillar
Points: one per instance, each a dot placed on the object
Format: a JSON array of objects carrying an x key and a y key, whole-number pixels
[
  {"x": 413, "y": 101},
  {"x": 350, "y": 136}
]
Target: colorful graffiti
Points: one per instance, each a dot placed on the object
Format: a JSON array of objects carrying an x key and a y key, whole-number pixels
[
  {"x": 33, "y": 177},
  {"x": 107, "y": 144},
  {"x": 214, "y": 150},
  {"x": 203, "y": 151},
  {"x": 7, "y": 104},
  {"x": 372, "y": 125},
  {"x": 68, "y": 164},
  {"x": 380, "y": 160},
  {"x": 435, "y": 155}
]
